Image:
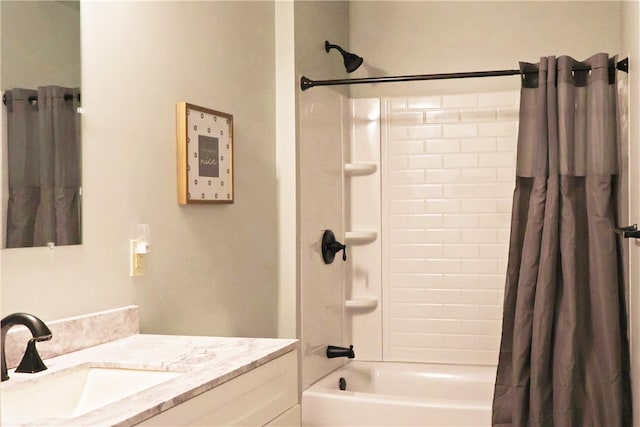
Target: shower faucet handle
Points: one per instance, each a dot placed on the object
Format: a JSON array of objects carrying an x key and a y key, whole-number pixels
[{"x": 330, "y": 246}]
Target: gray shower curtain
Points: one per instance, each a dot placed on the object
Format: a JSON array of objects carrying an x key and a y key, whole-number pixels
[
  {"x": 564, "y": 351},
  {"x": 43, "y": 152}
]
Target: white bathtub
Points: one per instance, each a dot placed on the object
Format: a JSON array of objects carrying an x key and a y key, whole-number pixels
[{"x": 401, "y": 394}]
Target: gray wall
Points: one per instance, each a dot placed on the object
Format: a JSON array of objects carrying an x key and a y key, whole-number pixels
[
  {"x": 211, "y": 269},
  {"x": 403, "y": 38}
]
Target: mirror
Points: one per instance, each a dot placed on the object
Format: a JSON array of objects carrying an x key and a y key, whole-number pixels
[{"x": 40, "y": 77}]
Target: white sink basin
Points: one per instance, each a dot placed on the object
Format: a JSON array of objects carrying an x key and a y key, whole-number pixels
[{"x": 75, "y": 392}]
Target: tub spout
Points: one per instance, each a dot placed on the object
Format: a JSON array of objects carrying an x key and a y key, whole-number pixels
[
  {"x": 31, "y": 362},
  {"x": 334, "y": 351}
]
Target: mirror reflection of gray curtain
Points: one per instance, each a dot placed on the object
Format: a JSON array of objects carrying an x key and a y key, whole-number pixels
[
  {"x": 43, "y": 152},
  {"x": 564, "y": 355}
]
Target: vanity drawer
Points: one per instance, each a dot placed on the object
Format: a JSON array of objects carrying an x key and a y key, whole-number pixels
[{"x": 252, "y": 399}]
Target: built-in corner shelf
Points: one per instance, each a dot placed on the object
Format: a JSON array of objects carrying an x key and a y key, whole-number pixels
[
  {"x": 361, "y": 303},
  {"x": 360, "y": 237},
  {"x": 356, "y": 169}
]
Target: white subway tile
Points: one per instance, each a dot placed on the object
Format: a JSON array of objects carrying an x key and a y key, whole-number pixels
[
  {"x": 406, "y": 295},
  {"x": 504, "y": 235},
  {"x": 409, "y": 326},
  {"x": 448, "y": 283},
  {"x": 461, "y": 221},
  {"x": 489, "y": 312},
  {"x": 416, "y": 280},
  {"x": 406, "y": 207},
  {"x": 488, "y": 281},
  {"x": 463, "y": 327},
  {"x": 501, "y": 299},
  {"x": 460, "y": 281},
  {"x": 480, "y": 236},
  {"x": 494, "y": 220},
  {"x": 407, "y": 118},
  {"x": 415, "y": 191},
  {"x": 462, "y": 342},
  {"x": 502, "y": 266},
  {"x": 407, "y": 177},
  {"x": 443, "y": 146},
  {"x": 406, "y": 147},
  {"x": 498, "y": 99},
  {"x": 442, "y": 266},
  {"x": 423, "y": 102},
  {"x": 399, "y": 162},
  {"x": 454, "y": 326},
  {"x": 478, "y": 175},
  {"x": 417, "y": 251},
  {"x": 398, "y": 104},
  {"x": 425, "y": 161},
  {"x": 442, "y": 116},
  {"x": 478, "y": 115},
  {"x": 405, "y": 265},
  {"x": 443, "y": 296},
  {"x": 497, "y": 159},
  {"x": 505, "y": 204},
  {"x": 442, "y": 176},
  {"x": 418, "y": 310},
  {"x": 460, "y": 161},
  {"x": 494, "y": 251},
  {"x": 507, "y": 143},
  {"x": 477, "y": 190},
  {"x": 398, "y": 133},
  {"x": 497, "y": 129},
  {"x": 463, "y": 100},
  {"x": 508, "y": 113},
  {"x": 493, "y": 281},
  {"x": 462, "y": 311},
  {"x": 460, "y": 130},
  {"x": 478, "y": 205},
  {"x": 461, "y": 251},
  {"x": 488, "y": 342},
  {"x": 425, "y": 132},
  {"x": 507, "y": 174},
  {"x": 415, "y": 220},
  {"x": 445, "y": 206},
  {"x": 476, "y": 145},
  {"x": 479, "y": 266},
  {"x": 404, "y": 339},
  {"x": 482, "y": 327},
  {"x": 439, "y": 235}
]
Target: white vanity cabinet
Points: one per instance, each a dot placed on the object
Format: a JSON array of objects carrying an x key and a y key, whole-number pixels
[{"x": 264, "y": 396}]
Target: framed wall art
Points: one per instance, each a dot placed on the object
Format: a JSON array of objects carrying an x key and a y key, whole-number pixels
[{"x": 205, "y": 155}]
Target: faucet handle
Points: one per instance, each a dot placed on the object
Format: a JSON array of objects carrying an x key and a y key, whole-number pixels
[{"x": 330, "y": 246}]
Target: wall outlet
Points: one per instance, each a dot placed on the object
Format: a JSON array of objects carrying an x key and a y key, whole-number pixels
[{"x": 136, "y": 260}]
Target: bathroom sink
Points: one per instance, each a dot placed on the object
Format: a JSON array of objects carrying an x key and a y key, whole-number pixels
[{"x": 74, "y": 392}]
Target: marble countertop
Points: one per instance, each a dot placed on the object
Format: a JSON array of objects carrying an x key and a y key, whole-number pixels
[{"x": 205, "y": 362}]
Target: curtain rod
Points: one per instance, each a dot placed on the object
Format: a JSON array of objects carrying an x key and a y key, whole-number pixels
[
  {"x": 306, "y": 83},
  {"x": 67, "y": 97}
]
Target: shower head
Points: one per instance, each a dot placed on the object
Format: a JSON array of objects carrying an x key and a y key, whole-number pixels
[{"x": 351, "y": 60}]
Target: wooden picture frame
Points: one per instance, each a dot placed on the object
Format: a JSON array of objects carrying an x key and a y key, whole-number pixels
[{"x": 204, "y": 155}]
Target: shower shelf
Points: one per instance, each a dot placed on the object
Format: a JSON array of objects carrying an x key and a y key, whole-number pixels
[
  {"x": 361, "y": 303},
  {"x": 356, "y": 169},
  {"x": 360, "y": 237}
]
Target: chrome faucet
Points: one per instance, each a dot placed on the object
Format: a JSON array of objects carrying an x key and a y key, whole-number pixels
[{"x": 31, "y": 361}]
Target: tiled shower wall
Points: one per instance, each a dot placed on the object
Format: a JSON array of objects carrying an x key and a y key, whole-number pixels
[{"x": 448, "y": 179}]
